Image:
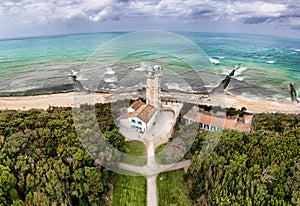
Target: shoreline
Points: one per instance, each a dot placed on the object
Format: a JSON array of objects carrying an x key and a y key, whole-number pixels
[{"x": 43, "y": 101}]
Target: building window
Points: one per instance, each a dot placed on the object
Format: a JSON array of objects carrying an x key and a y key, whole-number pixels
[
  {"x": 140, "y": 123},
  {"x": 191, "y": 121},
  {"x": 201, "y": 125},
  {"x": 132, "y": 121},
  {"x": 206, "y": 126}
]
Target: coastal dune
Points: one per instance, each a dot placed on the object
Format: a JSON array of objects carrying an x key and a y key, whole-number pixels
[{"x": 253, "y": 105}]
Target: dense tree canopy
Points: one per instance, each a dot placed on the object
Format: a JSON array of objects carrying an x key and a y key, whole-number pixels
[
  {"x": 42, "y": 161},
  {"x": 258, "y": 168}
]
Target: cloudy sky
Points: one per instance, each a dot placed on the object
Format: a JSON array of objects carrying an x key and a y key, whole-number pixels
[{"x": 20, "y": 18}]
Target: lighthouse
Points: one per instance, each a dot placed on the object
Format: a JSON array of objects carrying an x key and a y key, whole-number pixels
[{"x": 153, "y": 86}]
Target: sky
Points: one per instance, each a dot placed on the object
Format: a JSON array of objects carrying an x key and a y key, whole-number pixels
[{"x": 25, "y": 18}]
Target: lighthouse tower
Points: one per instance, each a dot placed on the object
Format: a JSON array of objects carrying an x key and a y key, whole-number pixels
[{"x": 153, "y": 86}]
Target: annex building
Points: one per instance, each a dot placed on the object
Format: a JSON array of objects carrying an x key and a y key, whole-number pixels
[{"x": 211, "y": 122}]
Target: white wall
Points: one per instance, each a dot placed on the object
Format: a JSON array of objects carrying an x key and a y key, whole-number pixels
[
  {"x": 152, "y": 120},
  {"x": 143, "y": 126}
]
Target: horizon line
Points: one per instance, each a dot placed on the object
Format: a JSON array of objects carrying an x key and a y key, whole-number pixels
[{"x": 123, "y": 32}]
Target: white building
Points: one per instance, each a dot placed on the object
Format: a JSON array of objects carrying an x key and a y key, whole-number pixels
[{"x": 140, "y": 116}]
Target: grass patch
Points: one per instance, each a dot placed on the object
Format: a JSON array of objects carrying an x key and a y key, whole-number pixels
[
  {"x": 172, "y": 189},
  {"x": 160, "y": 156},
  {"x": 129, "y": 191},
  {"x": 137, "y": 150}
]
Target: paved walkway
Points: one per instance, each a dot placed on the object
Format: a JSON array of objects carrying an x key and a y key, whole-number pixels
[
  {"x": 152, "y": 191},
  {"x": 163, "y": 127},
  {"x": 154, "y": 169}
]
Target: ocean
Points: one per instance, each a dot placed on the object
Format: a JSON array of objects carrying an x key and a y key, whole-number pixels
[{"x": 42, "y": 65}]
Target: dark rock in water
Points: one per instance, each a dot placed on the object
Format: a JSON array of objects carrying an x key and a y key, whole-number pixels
[
  {"x": 293, "y": 92},
  {"x": 79, "y": 87},
  {"x": 232, "y": 73},
  {"x": 225, "y": 82},
  {"x": 74, "y": 77}
]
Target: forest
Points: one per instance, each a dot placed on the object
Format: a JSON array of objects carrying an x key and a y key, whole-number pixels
[
  {"x": 257, "y": 168},
  {"x": 43, "y": 162}
]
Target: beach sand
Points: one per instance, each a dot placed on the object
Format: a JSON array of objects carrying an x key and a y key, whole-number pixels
[
  {"x": 67, "y": 100},
  {"x": 256, "y": 106},
  {"x": 44, "y": 101}
]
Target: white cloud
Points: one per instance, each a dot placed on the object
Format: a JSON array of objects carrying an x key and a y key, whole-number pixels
[
  {"x": 258, "y": 8},
  {"x": 250, "y": 12}
]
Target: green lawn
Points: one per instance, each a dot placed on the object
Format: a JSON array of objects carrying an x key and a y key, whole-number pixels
[
  {"x": 172, "y": 189},
  {"x": 129, "y": 191},
  {"x": 135, "y": 148},
  {"x": 159, "y": 154}
]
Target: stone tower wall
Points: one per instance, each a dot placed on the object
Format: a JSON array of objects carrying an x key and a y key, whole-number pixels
[{"x": 153, "y": 89}]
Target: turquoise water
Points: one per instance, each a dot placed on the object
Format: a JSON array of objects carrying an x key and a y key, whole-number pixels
[{"x": 37, "y": 65}]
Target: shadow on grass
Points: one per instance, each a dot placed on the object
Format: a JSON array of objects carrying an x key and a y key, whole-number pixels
[{"x": 136, "y": 151}]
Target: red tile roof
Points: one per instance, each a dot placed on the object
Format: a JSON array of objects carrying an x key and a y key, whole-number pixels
[
  {"x": 142, "y": 111},
  {"x": 229, "y": 123},
  {"x": 205, "y": 118},
  {"x": 226, "y": 123},
  {"x": 146, "y": 114},
  {"x": 218, "y": 121},
  {"x": 193, "y": 114},
  {"x": 136, "y": 105},
  {"x": 248, "y": 118},
  {"x": 240, "y": 126}
]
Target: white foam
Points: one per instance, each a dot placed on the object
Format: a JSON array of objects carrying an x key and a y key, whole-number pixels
[
  {"x": 225, "y": 71},
  {"x": 179, "y": 87},
  {"x": 143, "y": 67},
  {"x": 271, "y": 62},
  {"x": 240, "y": 70},
  {"x": 140, "y": 69},
  {"x": 239, "y": 78},
  {"x": 111, "y": 79},
  {"x": 214, "y": 61},
  {"x": 81, "y": 78},
  {"x": 221, "y": 57},
  {"x": 110, "y": 71},
  {"x": 211, "y": 86},
  {"x": 112, "y": 85},
  {"x": 73, "y": 72}
]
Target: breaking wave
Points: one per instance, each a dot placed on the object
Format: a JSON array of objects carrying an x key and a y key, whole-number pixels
[
  {"x": 178, "y": 87},
  {"x": 214, "y": 61}
]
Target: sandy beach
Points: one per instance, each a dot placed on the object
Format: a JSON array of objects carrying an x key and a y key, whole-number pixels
[
  {"x": 257, "y": 106},
  {"x": 67, "y": 100},
  {"x": 43, "y": 101}
]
